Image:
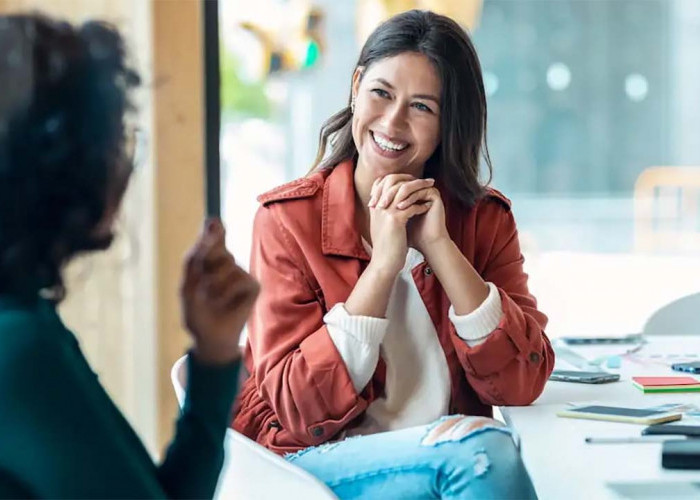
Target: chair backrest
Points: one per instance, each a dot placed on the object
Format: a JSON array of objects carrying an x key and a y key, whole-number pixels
[
  {"x": 251, "y": 471},
  {"x": 680, "y": 317},
  {"x": 667, "y": 209},
  {"x": 178, "y": 376}
]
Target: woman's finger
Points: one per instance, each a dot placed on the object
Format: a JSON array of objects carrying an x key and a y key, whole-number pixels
[
  {"x": 417, "y": 209},
  {"x": 211, "y": 240},
  {"x": 241, "y": 290},
  {"x": 216, "y": 283},
  {"x": 420, "y": 195},
  {"x": 215, "y": 259},
  {"x": 386, "y": 184},
  {"x": 392, "y": 179},
  {"x": 388, "y": 194},
  {"x": 402, "y": 189},
  {"x": 376, "y": 187},
  {"x": 407, "y": 189}
]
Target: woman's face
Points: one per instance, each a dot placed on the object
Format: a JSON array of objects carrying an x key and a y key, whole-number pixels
[{"x": 396, "y": 123}]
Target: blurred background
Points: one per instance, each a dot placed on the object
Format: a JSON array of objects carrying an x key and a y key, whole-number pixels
[{"x": 594, "y": 132}]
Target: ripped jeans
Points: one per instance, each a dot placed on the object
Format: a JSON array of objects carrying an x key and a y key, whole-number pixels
[{"x": 455, "y": 457}]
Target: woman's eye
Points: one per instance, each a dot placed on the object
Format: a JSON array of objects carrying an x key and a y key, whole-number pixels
[
  {"x": 381, "y": 93},
  {"x": 422, "y": 107}
]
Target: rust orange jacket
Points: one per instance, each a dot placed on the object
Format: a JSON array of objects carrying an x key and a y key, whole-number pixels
[{"x": 308, "y": 255}]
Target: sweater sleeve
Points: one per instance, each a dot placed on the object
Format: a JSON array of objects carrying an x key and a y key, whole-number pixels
[
  {"x": 475, "y": 327},
  {"x": 64, "y": 438},
  {"x": 357, "y": 339}
]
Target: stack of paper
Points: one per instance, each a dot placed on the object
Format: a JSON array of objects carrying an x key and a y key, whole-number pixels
[{"x": 666, "y": 384}]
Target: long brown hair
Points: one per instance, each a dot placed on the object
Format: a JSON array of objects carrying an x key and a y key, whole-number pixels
[{"x": 455, "y": 161}]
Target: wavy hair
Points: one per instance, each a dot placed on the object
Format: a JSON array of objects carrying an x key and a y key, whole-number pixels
[{"x": 463, "y": 104}]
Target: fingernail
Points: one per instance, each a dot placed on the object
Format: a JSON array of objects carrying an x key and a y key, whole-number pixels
[
  {"x": 431, "y": 180},
  {"x": 213, "y": 225}
]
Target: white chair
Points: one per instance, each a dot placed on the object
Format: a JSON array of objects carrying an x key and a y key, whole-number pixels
[{"x": 252, "y": 472}]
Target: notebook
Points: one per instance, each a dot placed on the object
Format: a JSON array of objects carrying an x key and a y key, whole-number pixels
[{"x": 666, "y": 384}]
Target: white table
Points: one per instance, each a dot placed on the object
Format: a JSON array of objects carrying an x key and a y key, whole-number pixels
[{"x": 563, "y": 465}]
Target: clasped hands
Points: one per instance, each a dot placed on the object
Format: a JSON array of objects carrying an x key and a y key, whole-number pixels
[{"x": 404, "y": 211}]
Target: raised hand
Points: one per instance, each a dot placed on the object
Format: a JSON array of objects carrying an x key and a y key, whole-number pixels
[{"x": 216, "y": 296}]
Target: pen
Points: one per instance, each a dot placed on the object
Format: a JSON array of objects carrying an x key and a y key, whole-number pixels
[{"x": 638, "y": 439}]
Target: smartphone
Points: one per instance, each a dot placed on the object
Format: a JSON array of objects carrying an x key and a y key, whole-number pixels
[
  {"x": 583, "y": 377},
  {"x": 681, "y": 454},
  {"x": 632, "y": 338},
  {"x": 619, "y": 414},
  {"x": 672, "y": 429},
  {"x": 691, "y": 367}
]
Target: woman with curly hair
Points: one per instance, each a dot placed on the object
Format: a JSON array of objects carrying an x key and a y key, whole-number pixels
[{"x": 64, "y": 167}]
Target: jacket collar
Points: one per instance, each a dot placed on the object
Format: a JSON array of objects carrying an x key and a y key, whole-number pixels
[{"x": 339, "y": 234}]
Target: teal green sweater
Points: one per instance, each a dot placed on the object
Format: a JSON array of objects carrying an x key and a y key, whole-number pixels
[{"x": 61, "y": 436}]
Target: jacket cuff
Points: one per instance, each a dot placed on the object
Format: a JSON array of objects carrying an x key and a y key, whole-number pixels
[
  {"x": 475, "y": 327},
  {"x": 508, "y": 342},
  {"x": 333, "y": 383}
]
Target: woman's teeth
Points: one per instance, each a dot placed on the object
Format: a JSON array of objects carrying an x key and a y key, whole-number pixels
[{"x": 387, "y": 145}]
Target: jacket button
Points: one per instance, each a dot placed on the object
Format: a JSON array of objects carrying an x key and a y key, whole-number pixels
[
  {"x": 317, "y": 431},
  {"x": 427, "y": 271},
  {"x": 534, "y": 357}
]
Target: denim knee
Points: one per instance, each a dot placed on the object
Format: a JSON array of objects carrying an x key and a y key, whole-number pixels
[
  {"x": 456, "y": 428},
  {"x": 483, "y": 451}
]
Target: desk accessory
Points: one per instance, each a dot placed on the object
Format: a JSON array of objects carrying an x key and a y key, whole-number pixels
[
  {"x": 629, "y": 440},
  {"x": 681, "y": 454},
  {"x": 666, "y": 384},
  {"x": 620, "y": 414},
  {"x": 672, "y": 429}
]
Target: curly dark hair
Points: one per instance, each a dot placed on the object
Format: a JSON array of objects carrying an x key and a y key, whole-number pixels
[{"x": 65, "y": 91}]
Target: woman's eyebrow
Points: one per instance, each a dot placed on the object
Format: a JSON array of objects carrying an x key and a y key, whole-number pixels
[{"x": 418, "y": 96}]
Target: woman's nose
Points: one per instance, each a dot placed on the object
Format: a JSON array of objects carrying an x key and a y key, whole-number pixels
[{"x": 394, "y": 116}]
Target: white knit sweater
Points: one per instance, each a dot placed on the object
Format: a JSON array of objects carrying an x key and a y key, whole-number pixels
[{"x": 417, "y": 389}]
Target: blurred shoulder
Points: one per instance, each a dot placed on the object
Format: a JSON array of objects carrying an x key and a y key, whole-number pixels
[
  {"x": 298, "y": 189},
  {"x": 20, "y": 339},
  {"x": 495, "y": 197},
  {"x": 296, "y": 203},
  {"x": 27, "y": 335}
]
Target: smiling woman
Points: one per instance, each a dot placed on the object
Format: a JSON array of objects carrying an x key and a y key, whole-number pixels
[{"x": 393, "y": 297}]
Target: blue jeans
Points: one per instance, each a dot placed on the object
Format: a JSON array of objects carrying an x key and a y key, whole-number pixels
[{"x": 455, "y": 457}]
